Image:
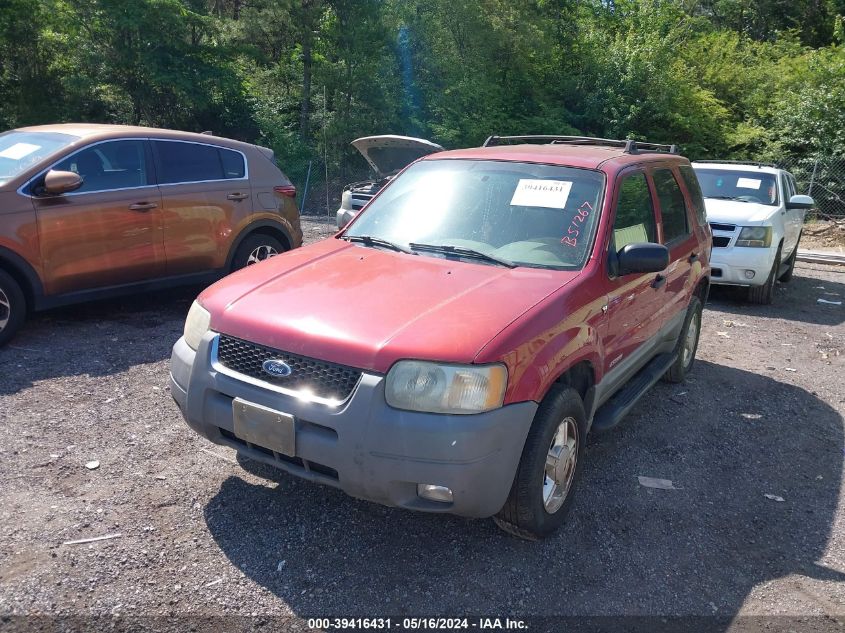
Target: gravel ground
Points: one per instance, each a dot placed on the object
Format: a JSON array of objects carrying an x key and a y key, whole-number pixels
[{"x": 203, "y": 533}]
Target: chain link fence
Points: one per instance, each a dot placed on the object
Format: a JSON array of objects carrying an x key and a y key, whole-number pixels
[{"x": 822, "y": 178}]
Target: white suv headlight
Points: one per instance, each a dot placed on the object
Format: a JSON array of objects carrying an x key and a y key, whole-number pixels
[
  {"x": 439, "y": 388},
  {"x": 196, "y": 325},
  {"x": 756, "y": 236}
]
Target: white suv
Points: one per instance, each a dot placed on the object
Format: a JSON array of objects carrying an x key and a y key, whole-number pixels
[{"x": 756, "y": 218}]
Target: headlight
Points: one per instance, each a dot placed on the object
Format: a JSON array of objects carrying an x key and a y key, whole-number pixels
[
  {"x": 196, "y": 325},
  {"x": 757, "y": 236},
  {"x": 438, "y": 388},
  {"x": 346, "y": 200}
]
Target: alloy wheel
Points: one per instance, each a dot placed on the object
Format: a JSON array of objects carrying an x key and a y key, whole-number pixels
[
  {"x": 560, "y": 465},
  {"x": 260, "y": 253},
  {"x": 691, "y": 339},
  {"x": 5, "y": 309}
]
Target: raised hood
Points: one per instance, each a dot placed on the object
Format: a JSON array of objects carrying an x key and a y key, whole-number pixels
[
  {"x": 368, "y": 308},
  {"x": 388, "y": 153},
  {"x": 735, "y": 212}
]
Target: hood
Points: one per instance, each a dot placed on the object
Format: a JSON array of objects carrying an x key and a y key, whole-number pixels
[
  {"x": 367, "y": 308},
  {"x": 734, "y": 212},
  {"x": 387, "y": 154}
]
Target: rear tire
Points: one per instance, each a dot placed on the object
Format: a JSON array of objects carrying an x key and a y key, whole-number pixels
[
  {"x": 256, "y": 248},
  {"x": 12, "y": 307},
  {"x": 763, "y": 295},
  {"x": 538, "y": 503},
  {"x": 687, "y": 344},
  {"x": 787, "y": 276}
]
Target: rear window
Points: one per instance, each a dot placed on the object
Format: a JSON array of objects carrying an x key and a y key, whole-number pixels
[{"x": 181, "y": 162}]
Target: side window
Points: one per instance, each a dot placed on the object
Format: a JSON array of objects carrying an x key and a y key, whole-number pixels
[
  {"x": 108, "y": 166},
  {"x": 233, "y": 164},
  {"x": 634, "y": 213},
  {"x": 672, "y": 205},
  {"x": 188, "y": 162},
  {"x": 694, "y": 188},
  {"x": 790, "y": 189}
]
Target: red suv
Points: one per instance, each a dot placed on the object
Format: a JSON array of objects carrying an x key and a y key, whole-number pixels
[{"x": 451, "y": 348}]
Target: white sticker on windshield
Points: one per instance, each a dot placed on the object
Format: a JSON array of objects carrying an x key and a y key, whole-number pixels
[
  {"x": 748, "y": 183},
  {"x": 551, "y": 194},
  {"x": 19, "y": 150}
]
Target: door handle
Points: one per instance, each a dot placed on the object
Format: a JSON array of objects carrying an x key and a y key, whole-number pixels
[
  {"x": 237, "y": 196},
  {"x": 142, "y": 206},
  {"x": 693, "y": 258},
  {"x": 658, "y": 281}
]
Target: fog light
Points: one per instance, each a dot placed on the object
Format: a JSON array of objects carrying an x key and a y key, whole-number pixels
[
  {"x": 434, "y": 493},
  {"x": 749, "y": 274}
]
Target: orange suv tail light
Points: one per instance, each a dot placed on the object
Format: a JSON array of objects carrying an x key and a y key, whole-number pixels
[{"x": 286, "y": 190}]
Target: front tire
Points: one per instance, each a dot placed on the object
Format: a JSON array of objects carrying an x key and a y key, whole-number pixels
[
  {"x": 256, "y": 248},
  {"x": 763, "y": 295},
  {"x": 687, "y": 344},
  {"x": 552, "y": 460},
  {"x": 12, "y": 307}
]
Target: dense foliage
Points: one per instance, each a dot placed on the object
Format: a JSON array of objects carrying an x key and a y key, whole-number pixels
[{"x": 741, "y": 78}]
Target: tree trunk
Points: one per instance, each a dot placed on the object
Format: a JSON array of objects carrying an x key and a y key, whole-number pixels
[{"x": 305, "y": 111}]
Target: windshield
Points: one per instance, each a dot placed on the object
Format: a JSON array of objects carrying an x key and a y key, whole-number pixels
[
  {"x": 541, "y": 216},
  {"x": 744, "y": 186},
  {"x": 21, "y": 150}
]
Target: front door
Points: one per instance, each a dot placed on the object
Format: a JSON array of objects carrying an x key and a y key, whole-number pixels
[
  {"x": 634, "y": 300},
  {"x": 107, "y": 232}
]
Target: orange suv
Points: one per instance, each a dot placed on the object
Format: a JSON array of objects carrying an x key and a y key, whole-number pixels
[{"x": 89, "y": 211}]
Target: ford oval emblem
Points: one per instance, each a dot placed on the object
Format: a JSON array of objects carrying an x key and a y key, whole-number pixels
[{"x": 277, "y": 368}]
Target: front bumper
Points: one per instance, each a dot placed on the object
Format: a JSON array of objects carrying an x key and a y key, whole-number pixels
[
  {"x": 364, "y": 447},
  {"x": 728, "y": 265}
]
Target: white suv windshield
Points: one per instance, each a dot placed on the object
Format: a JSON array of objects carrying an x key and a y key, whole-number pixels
[
  {"x": 744, "y": 186},
  {"x": 21, "y": 150},
  {"x": 521, "y": 214}
]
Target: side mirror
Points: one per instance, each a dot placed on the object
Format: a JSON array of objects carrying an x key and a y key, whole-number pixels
[
  {"x": 800, "y": 202},
  {"x": 59, "y": 182},
  {"x": 645, "y": 257}
]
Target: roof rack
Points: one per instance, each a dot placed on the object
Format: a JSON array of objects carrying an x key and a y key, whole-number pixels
[
  {"x": 739, "y": 162},
  {"x": 629, "y": 146}
]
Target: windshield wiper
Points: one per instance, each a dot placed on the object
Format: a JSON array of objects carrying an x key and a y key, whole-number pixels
[
  {"x": 462, "y": 252},
  {"x": 726, "y": 198},
  {"x": 369, "y": 240}
]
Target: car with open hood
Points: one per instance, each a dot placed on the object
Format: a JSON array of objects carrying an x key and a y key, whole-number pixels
[
  {"x": 451, "y": 348},
  {"x": 757, "y": 216},
  {"x": 386, "y": 154}
]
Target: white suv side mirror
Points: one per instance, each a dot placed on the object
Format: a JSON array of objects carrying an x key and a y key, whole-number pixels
[{"x": 800, "y": 202}]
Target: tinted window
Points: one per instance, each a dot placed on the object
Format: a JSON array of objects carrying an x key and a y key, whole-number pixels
[
  {"x": 188, "y": 162},
  {"x": 108, "y": 166},
  {"x": 634, "y": 213},
  {"x": 672, "y": 205},
  {"x": 688, "y": 174},
  {"x": 233, "y": 164}
]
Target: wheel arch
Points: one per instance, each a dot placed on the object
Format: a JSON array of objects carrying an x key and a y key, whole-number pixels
[
  {"x": 264, "y": 227},
  {"x": 25, "y": 276},
  {"x": 582, "y": 377}
]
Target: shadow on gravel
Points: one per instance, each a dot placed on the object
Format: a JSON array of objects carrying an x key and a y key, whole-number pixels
[
  {"x": 794, "y": 301},
  {"x": 726, "y": 438},
  {"x": 96, "y": 339}
]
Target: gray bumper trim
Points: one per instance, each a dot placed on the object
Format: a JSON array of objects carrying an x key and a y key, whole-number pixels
[{"x": 377, "y": 452}]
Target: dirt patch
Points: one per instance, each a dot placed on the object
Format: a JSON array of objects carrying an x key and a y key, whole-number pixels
[{"x": 824, "y": 236}]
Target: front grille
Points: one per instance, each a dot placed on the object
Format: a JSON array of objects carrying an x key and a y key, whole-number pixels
[
  {"x": 321, "y": 379},
  {"x": 720, "y": 241},
  {"x": 723, "y": 227},
  {"x": 360, "y": 199}
]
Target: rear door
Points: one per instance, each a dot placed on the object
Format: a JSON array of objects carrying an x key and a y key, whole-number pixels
[
  {"x": 634, "y": 300},
  {"x": 107, "y": 232},
  {"x": 677, "y": 235},
  {"x": 206, "y": 195}
]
